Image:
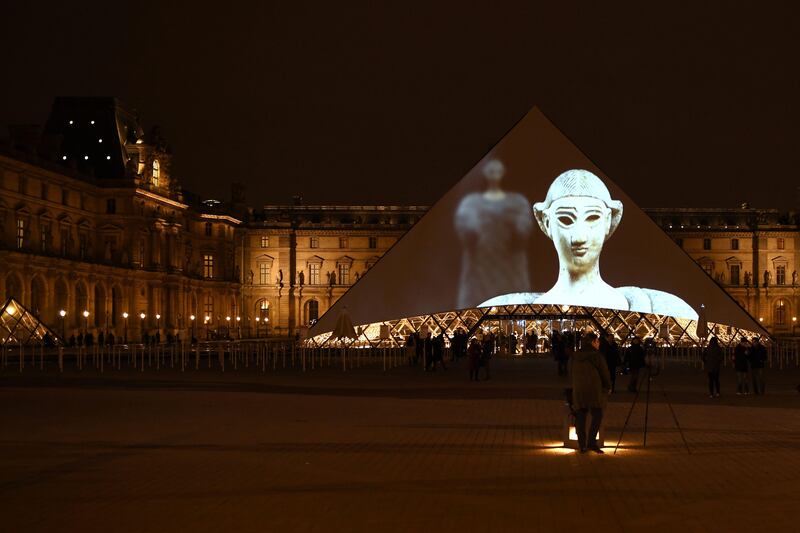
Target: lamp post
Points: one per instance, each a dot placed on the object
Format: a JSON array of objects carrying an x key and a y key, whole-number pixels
[
  {"x": 794, "y": 325},
  {"x": 142, "y": 316},
  {"x": 258, "y": 320},
  {"x": 227, "y": 326},
  {"x": 205, "y": 322},
  {"x": 62, "y": 314},
  {"x": 85, "y": 323},
  {"x": 194, "y": 332},
  {"x": 266, "y": 326},
  {"x": 239, "y": 327},
  {"x": 158, "y": 328},
  {"x": 125, "y": 338}
]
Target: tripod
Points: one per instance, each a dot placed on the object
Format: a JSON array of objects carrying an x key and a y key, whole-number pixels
[{"x": 650, "y": 375}]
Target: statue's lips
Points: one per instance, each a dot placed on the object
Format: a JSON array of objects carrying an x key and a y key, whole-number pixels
[{"x": 580, "y": 251}]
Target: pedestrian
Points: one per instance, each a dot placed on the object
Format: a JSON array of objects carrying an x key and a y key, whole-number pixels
[
  {"x": 486, "y": 355},
  {"x": 757, "y": 359},
  {"x": 438, "y": 352},
  {"x": 474, "y": 352},
  {"x": 591, "y": 385},
  {"x": 610, "y": 350},
  {"x": 410, "y": 349},
  {"x": 636, "y": 361},
  {"x": 428, "y": 353},
  {"x": 712, "y": 361},
  {"x": 740, "y": 355}
]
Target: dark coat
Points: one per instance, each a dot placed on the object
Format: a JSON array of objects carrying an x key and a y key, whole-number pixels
[
  {"x": 590, "y": 380},
  {"x": 635, "y": 356},
  {"x": 712, "y": 358},
  {"x": 758, "y": 355},
  {"x": 740, "y": 356}
]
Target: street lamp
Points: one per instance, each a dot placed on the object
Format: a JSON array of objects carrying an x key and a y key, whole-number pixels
[
  {"x": 62, "y": 314},
  {"x": 258, "y": 320},
  {"x": 125, "y": 316},
  {"x": 238, "y": 327},
  {"x": 205, "y": 322},
  {"x": 227, "y": 326},
  {"x": 142, "y": 316},
  {"x": 194, "y": 331},
  {"x": 85, "y": 323},
  {"x": 158, "y": 327}
]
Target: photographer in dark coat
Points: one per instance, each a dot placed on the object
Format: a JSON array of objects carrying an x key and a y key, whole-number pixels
[{"x": 591, "y": 384}]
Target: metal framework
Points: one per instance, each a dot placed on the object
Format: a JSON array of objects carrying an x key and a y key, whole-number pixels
[
  {"x": 542, "y": 319},
  {"x": 20, "y": 327}
]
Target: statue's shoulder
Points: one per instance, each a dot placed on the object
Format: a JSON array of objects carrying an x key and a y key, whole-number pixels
[
  {"x": 512, "y": 298},
  {"x": 657, "y": 302}
]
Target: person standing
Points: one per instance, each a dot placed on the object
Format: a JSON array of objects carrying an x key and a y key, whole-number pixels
[
  {"x": 591, "y": 385},
  {"x": 740, "y": 364},
  {"x": 757, "y": 359},
  {"x": 712, "y": 360},
  {"x": 636, "y": 361},
  {"x": 610, "y": 350},
  {"x": 474, "y": 352}
]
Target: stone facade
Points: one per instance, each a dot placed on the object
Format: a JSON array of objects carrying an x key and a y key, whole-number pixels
[{"x": 751, "y": 253}]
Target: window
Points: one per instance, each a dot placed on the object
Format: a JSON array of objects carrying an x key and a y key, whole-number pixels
[
  {"x": 20, "y": 233},
  {"x": 64, "y": 241},
  {"x": 265, "y": 241},
  {"x": 780, "y": 275},
  {"x": 83, "y": 243},
  {"x": 313, "y": 242},
  {"x": 209, "y": 229},
  {"x": 156, "y": 173},
  {"x": 313, "y": 311},
  {"x": 263, "y": 273},
  {"x": 209, "y": 307},
  {"x": 708, "y": 266},
  {"x": 734, "y": 274},
  {"x": 780, "y": 313},
  {"x": 342, "y": 242},
  {"x": 208, "y": 266},
  {"x": 734, "y": 244},
  {"x": 706, "y": 244},
  {"x": 373, "y": 242},
  {"x": 111, "y": 206},
  {"x": 313, "y": 273},
  {"x": 781, "y": 244},
  {"x": 344, "y": 274},
  {"x": 45, "y": 235}
]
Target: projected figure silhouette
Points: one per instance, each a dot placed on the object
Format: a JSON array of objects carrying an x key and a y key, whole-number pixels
[
  {"x": 578, "y": 215},
  {"x": 494, "y": 227}
]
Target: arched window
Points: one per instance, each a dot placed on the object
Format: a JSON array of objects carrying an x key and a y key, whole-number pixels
[
  {"x": 99, "y": 305},
  {"x": 116, "y": 305},
  {"x": 781, "y": 310},
  {"x": 156, "y": 172},
  {"x": 81, "y": 302},
  {"x": 38, "y": 293},
  {"x": 13, "y": 287}
]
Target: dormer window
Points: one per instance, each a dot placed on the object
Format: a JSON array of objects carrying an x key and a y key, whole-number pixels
[{"x": 156, "y": 172}]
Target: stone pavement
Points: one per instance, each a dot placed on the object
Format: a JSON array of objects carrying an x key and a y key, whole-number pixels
[{"x": 398, "y": 451}]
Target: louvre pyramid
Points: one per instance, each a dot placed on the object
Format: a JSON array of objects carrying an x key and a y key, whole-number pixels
[
  {"x": 466, "y": 252},
  {"x": 18, "y": 326}
]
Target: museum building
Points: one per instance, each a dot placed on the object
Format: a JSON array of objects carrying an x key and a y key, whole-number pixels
[{"x": 97, "y": 235}]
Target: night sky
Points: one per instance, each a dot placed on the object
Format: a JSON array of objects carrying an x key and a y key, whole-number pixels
[{"x": 371, "y": 104}]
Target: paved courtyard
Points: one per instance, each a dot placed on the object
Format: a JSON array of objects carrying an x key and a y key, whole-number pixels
[{"x": 404, "y": 450}]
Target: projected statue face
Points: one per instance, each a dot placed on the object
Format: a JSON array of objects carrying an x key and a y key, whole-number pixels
[{"x": 578, "y": 226}]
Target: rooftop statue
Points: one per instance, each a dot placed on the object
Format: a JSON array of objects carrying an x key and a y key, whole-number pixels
[{"x": 579, "y": 215}]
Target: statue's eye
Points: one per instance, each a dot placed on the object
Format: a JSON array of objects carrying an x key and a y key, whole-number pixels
[
  {"x": 592, "y": 218},
  {"x": 567, "y": 221}
]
